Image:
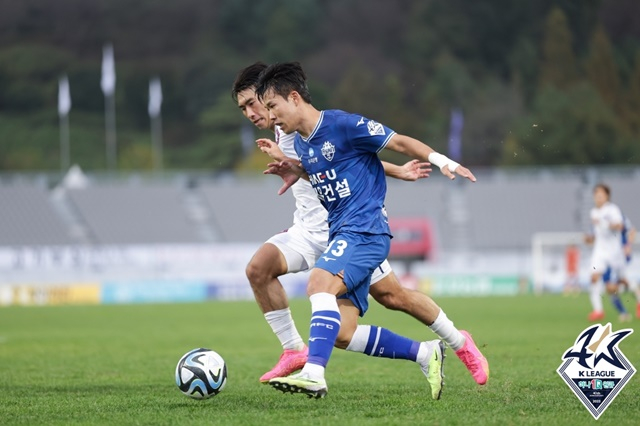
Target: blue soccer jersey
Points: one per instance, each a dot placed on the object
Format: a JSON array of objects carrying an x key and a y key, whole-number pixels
[{"x": 340, "y": 157}]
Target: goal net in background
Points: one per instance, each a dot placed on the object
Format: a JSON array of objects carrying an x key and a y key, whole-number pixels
[{"x": 559, "y": 262}]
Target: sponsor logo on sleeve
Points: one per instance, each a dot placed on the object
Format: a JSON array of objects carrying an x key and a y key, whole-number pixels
[{"x": 375, "y": 128}]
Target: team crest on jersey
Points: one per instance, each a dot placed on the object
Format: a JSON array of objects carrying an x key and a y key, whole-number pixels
[
  {"x": 594, "y": 367},
  {"x": 328, "y": 150},
  {"x": 375, "y": 128}
]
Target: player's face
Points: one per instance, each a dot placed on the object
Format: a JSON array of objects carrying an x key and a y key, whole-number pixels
[
  {"x": 600, "y": 197},
  {"x": 282, "y": 112},
  {"x": 254, "y": 110}
]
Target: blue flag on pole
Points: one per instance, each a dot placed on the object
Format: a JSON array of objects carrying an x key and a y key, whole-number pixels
[{"x": 455, "y": 135}]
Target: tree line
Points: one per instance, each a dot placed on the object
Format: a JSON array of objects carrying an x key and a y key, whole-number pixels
[{"x": 551, "y": 82}]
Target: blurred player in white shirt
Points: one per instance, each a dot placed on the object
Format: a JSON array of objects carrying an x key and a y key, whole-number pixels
[
  {"x": 299, "y": 247},
  {"x": 628, "y": 235},
  {"x": 607, "y": 259}
]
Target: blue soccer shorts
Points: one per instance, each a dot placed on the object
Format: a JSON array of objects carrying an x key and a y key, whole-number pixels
[{"x": 355, "y": 255}]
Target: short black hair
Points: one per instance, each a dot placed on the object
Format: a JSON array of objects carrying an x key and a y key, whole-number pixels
[
  {"x": 247, "y": 78},
  {"x": 604, "y": 187},
  {"x": 283, "y": 79}
]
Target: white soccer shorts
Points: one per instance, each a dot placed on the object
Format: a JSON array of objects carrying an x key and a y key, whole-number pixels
[{"x": 600, "y": 264}]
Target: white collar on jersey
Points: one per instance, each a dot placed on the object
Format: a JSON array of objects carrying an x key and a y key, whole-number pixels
[{"x": 315, "y": 129}]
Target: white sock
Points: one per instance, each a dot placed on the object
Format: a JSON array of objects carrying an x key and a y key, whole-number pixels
[
  {"x": 360, "y": 338},
  {"x": 596, "y": 299},
  {"x": 444, "y": 329},
  {"x": 313, "y": 371},
  {"x": 424, "y": 352},
  {"x": 282, "y": 324}
]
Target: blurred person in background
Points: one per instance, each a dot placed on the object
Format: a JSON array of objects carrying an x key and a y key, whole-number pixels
[
  {"x": 628, "y": 237},
  {"x": 608, "y": 258}
]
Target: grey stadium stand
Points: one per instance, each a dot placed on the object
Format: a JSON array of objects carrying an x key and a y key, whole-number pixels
[
  {"x": 505, "y": 214},
  {"x": 125, "y": 214},
  {"x": 27, "y": 217},
  {"x": 248, "y": 210}
]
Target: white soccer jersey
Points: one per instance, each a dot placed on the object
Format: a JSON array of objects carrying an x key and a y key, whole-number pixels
[
  {"x": 309, "y": 212},
  {"x": 607, "y": 245}
]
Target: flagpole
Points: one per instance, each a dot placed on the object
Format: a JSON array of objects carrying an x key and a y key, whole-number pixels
[
  {"x": 108, "y": 84},
  {"x": 64, "y": 143},
  {"x": 156, "y": 139},
  {"x": 110, "y": 130},
  {"x": 155, "y": 114},
  {"x": 64, "y": 106}
]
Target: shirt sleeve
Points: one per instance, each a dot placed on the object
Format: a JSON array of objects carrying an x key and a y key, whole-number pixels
[
  {"x": 615, "y": 215},
  {"x": 366, "y": 135}
]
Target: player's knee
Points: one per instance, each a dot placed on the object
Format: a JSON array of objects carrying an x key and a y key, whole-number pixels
[
  {"x": 390, "y": 300},
  {"x": 343, "y": 339},
  {"x": 612, "y": 288},
  {"x": 342, "y": 343},
  {"x": 256, "y": 273},
  {"x": 324, "y": 282}
]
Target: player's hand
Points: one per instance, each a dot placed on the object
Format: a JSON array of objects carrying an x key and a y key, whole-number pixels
[
  {"x": 270, "y": 148},
  {"x": 284, "y": 169},
  {"x": 414, "y": 170},
  {"x": 460, "y": 170}
]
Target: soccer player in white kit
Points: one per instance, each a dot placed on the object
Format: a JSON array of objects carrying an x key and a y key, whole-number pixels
[
  {"x": 628, "y": 238},
  {"x": 299, "y": 247},
  {"x": 607, "y": 258}
]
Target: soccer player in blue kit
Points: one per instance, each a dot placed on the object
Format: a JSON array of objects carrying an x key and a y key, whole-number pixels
[{"x": 338, "y": 155}]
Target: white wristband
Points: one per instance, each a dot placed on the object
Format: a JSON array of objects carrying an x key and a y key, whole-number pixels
[{"x": 442, "y": 160}]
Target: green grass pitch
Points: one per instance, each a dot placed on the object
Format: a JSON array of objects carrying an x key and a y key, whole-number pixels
[{"x": 114, "y": 365}]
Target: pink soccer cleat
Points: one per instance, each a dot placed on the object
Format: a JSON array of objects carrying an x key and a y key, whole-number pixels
[
  {"x": 596, "y": 316},
  {"x": 475, "y": 362},
  {"x": 290, "y": 361}
]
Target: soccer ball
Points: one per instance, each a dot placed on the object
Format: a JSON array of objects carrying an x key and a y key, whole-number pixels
[{"x": 201, "y": 373}]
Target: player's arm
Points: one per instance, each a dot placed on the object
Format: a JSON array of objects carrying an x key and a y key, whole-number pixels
[
  {"x": 272, "y": 149},
  {"x": 289, "y": 170},
  {"x": 410, "y": 171},
  {"x": 589, "y": 238},
  {"x": 616, "y": 226},
  {"x": 615, "y": 219},
  {"x": 416, "y": 149},
  {"x": 631, "y": 235}
]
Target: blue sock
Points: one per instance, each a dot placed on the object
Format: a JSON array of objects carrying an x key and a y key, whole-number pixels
[
  {"x": 325, "y": 326},
  {"x": 615, "y": 299},
  {"x": 386, "y": 344}
]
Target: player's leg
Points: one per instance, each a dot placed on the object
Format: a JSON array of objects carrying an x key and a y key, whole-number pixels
[
  {"x": 346, "y": 265},
  {"x": 631, "y": 285},
  {"x": 323, "y": 332},
  {"x": 612, "y": 285},
  {"x": 595, "y": 291},
  {"x": 386, "y": 290},
  {"x": 616, "y": 301},
  {"x": 278, "y": 256},
  {"x": 381, "y": 342}
]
